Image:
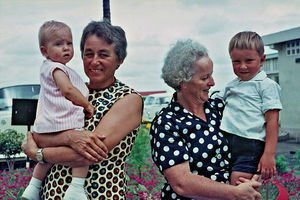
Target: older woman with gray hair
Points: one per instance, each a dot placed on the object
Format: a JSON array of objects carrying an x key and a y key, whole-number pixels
[{"x": 187, "y": 145}]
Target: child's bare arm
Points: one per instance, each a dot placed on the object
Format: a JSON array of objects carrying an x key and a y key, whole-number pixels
[
  {"x": 70, "y": 92},
  {"x": 267, "y": 162}
]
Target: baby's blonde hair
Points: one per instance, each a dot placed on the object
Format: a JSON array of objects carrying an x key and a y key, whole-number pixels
[
  {"x": 247, "y": 40},
  {"x": 48, "y": 28}
]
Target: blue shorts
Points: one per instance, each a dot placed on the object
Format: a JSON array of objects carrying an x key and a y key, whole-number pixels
[{"x": 245, "y": 153}]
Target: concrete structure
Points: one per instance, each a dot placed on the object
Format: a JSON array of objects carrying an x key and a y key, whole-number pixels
[
  {"x": 271, "y": 67},
  {"x": 284, "y": 68}
]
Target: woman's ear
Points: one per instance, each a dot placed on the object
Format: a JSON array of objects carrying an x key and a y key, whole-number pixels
[
  {"x": 119, "y": 63},
  {"x": 182, "y": 85}
]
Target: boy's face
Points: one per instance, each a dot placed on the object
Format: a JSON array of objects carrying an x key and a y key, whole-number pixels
[
  {"x": 59, "y": 47},
  {"x": 246, "y": 63}
]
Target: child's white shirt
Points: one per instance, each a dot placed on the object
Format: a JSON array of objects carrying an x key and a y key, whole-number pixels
[
  {"x": 246, "y": 103},
  {"x": 55, "y": 112}
]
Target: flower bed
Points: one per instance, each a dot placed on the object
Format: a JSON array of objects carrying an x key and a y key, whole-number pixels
[
  {"x": 145, "y": 180},
  {"x": 12, "y": 183},
  {"x": 282, "y": 187},
  {"x": 146, "y": 186}
]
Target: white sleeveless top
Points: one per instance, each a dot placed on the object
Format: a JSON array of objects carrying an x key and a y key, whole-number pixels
[{"x": 55, "y": 112}]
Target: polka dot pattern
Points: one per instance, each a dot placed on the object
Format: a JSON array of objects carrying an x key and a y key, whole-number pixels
[
  {"x": 182, "y": 137},
  {"x": 107, "y": 179}
]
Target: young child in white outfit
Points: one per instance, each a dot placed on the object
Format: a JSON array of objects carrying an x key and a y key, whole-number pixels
[
  {"x": 62, "y": 103},
  {"x": 252, "y": 105}
]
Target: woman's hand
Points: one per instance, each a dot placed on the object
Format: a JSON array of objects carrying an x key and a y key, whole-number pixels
[
  {"x": 83, "y": 143},
  {"x": 30, "y": 147},
  {"x": 256, "y": 179},
  {"x": 67, "y": 158},
  {"x": 249, "y": 189},
  {"x": 88, "y": 144}
]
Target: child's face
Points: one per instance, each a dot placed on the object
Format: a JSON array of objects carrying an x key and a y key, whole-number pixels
[
  {"x": 59, "y": 48},
  {"x": 246, "y": 63}
]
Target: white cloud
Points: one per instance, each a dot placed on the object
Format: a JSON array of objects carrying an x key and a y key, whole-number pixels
[{"x": 151, "y": 27}]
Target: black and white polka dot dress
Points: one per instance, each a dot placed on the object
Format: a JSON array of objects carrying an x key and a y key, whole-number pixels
[{"x": 177, "y": 136}]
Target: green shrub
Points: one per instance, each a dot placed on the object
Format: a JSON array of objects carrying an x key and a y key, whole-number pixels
[
  {"x": 141, "y": 149},
  {"x": 281, "y": 164},
  {"x": 10, "y": 145},
  {"x": 297, "y": 159}
]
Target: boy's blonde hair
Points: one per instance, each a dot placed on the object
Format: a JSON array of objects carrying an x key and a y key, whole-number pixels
[
  {"x": 48, "y": 28},
  {"x": 247, "y": 40}
]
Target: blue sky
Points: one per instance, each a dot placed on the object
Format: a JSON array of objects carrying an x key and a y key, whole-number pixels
[{"x": 151, "y": 27}]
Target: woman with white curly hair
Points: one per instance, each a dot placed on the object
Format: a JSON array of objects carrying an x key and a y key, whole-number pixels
[{"x": 187, "y": 145}]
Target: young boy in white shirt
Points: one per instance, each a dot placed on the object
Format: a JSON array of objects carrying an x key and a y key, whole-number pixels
[{"x": 252, "y": 105}]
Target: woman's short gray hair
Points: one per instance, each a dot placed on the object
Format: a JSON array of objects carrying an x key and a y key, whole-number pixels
[
  {"x": 114, "y": 35},
  {"x": 178, "y": 64}
]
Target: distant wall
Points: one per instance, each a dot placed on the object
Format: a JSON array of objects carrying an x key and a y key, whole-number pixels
[{"x": 289, "y": 80}]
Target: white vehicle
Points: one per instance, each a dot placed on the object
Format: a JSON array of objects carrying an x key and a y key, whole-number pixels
[
  {"x": 154, "y": 103},
  {"x": 27, "y": 91}
]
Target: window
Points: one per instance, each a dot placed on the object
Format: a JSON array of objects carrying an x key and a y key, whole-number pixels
[
  {"x": 293, "y": 48},
  {"x": 270, "y": 65}
]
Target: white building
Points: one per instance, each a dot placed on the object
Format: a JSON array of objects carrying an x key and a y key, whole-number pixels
[
  {"x": 271, "y": 67},
  {"x": 284, "y": 68}
]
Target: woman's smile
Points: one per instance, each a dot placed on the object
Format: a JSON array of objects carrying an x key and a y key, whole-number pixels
[{"x": 100, "y": 62}]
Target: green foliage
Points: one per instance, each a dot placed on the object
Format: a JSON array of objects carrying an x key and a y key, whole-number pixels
[
  {"x": 134, "y": 188},
  {"x": 268, "y": 191},
  {"x": 10, "y": 143},
  {"x": 281, "y": 164},
  {"x": 297, "y": 155},
  {"x": 19, "y": 195},
  {"x": 141, "y": 149},
  {"x": 297, "y": 159}
]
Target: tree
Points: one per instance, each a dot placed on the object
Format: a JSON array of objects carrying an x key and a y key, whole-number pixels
[
  {"x": 106, "y": 10},
  {"x": 10, "y": 145}
]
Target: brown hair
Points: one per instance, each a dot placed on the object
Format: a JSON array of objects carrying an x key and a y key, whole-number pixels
[
  {"x": 247, "y": 40},
  {"x": 48, "y": 28}
]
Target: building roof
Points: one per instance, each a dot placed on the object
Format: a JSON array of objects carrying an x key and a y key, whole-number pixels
[
  {"x": 146, "y": 93},
  {"x": 282, "y": 36},
  {"x": 272, "y": 55}
]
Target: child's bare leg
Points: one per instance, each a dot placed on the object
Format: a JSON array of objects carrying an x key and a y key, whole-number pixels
[
  {"x": 32, "y": 191},
  {"x": 40, "y": 170},
  {"x": 76, "y": 189},
  {"x": 235, "y": 175},
  {"x": 80, "y": 172}
]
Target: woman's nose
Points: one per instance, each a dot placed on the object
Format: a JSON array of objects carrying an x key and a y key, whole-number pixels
[
  {"x": 211, "y": 81},
  {"x": 96, "y": 60}
]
